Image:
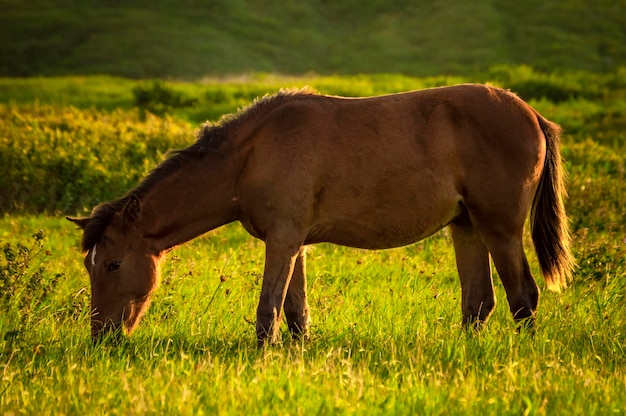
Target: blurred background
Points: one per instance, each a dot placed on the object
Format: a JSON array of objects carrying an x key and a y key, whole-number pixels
[
  {"x": 97, "y": 91},
  {"x": 191, "y": 39}
]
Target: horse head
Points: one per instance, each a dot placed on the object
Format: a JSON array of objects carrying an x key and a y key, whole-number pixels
[{"x": 123, "y": 267}]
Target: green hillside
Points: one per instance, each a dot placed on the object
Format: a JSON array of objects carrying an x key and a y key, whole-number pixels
[{"x": 193, "y": 38}]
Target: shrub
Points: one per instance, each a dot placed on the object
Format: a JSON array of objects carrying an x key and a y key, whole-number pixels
[
  {"x": 24, "y": 287},
  {"x": 158, "y": 98},
  {"x": 556, "y": 87},
  {"x": 61, "y": 159}
]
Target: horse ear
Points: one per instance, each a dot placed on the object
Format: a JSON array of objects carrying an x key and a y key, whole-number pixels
[
  {"x": 132, "y": 209},
  {"x": 81, "y": 222}
]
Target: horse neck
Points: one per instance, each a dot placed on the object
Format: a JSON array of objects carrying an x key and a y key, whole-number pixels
[{"x": 197, "y": 198}]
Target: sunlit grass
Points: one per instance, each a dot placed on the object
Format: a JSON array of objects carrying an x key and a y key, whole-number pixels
[{"x": 386, "y": 338}]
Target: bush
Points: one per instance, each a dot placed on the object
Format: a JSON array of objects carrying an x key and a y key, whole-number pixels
[
  {"x": 61, "y": 159},
  {"x": 23, "y": 286},
  {"x": 556, "y": 87},
  {"x": 159, "y": 99}
]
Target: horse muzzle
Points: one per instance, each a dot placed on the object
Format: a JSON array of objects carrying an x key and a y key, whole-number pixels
[{"x": 106, "y": 332}]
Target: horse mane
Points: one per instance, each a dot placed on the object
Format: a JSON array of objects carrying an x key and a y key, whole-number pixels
[{"x": 209, "y": 139}]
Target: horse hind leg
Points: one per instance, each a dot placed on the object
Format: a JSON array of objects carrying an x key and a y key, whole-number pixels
[
  {"x": 296, "y": 305},
  {"x": 472, "y": 259},
  {"x": 521, "y": 289},
  {"x": 505, "y": 243}
]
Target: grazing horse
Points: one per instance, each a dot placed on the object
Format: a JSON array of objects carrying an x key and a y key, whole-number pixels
[{"x": 299, "y": 168}]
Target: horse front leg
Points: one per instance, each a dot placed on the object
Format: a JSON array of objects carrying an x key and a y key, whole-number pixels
[
  {"x": 296, "y": 305},
  {"x": 280, "y": 260}
]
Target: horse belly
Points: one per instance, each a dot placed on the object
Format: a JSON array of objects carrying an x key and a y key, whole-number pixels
[
  {"x": 380, "y": 220},
  {"x": 366, "y": 236}
]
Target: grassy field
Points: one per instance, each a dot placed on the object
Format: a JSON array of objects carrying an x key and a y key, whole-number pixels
[
  {"x": 386, "y": 335},
  {"x": 194, "y": 38}
]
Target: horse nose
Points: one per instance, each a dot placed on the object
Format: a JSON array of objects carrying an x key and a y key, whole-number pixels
[{"x": 109, "y": 332}]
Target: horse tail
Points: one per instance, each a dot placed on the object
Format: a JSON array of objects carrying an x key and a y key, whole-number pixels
[{"x": 549, "y": 221}]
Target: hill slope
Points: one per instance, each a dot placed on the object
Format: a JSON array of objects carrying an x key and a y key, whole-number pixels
[{"x": 194, "y": 38}]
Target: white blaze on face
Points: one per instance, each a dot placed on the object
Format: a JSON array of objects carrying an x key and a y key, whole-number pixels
[{"x": 93, "y": 256}]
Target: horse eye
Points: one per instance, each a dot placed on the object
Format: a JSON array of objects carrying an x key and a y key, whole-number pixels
[{"x": 114, "y": 265}]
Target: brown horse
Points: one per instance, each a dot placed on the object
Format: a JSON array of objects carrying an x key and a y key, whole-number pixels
[{"x": 299, "y": 168}]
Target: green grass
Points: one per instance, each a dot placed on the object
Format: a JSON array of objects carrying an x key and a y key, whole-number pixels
[
  {"x": 190, "y": 40},
  {"x": 386, "y": 338},
  {"x": 386, "y": 334}
]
